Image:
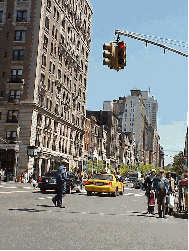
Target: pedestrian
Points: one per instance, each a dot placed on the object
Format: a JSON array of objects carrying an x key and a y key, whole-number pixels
[
  {"x": 161, "y": 185},
  {"x": 61, "y": 187},
  {"x": 148, "y": 186},
  {"x": 0, "y": 175},
  {"x": 25, "y": 177},
  {"x": 170, "y": 196}
]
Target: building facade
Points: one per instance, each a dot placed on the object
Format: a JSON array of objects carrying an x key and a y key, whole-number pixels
[{"x": 44, "y": 61}]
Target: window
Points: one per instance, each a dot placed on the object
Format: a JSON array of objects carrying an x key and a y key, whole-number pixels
[
  {"x": 18, "y": 55},
  {"x": 59, "y": 73},
  {"x": 11, "y": 135},
  {"x": 56, "y": 34},
  {"x": 53, "y": 29},
  {"x": 12, "y": 116},
  {"x": 51, "y": 47},
  {"x": 21, "y": 16},
  {"x": 1, "y": 16},
  {"x": 52, "y": 86},
  {"x": 20, "y": 35},
  {"x": 63, "y": 23},
  {"x": 53, "y": 69},
  {"x": 45, "y": 43},
  {"x": 48, "y": 3},
  {"x": 14, "y": 94},
  {"x": 9, "y": 16},
  {"x": 3, "y": 75},
  {"x": 2, "y": 94},
  {"x": 49, "y": 84},
  {"x": 42, "y": 78},
  {"x": 57, "y": 16},
  {"x": 47, "y": 23},
  {"x": 44, "y": 60},
  {"x": 16, "y": 74},
  {"x": 50, "y": 66},
  {"x": 54, "y": 12},
  {"x": 5, "y": 56}
]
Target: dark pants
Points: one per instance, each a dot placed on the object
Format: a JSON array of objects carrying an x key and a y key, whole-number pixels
[
  {"x": 59, "y": 196},
  {"x": 161, "y": 200},
  {"x": 58, "y": 199}
]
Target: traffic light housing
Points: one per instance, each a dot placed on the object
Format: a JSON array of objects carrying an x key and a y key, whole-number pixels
[
  {"x": 109, "y": 54},
  {"x": 120, "y": 55}
]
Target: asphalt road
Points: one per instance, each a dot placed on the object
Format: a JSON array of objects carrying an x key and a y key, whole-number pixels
[{"x": 30, "y": 221}]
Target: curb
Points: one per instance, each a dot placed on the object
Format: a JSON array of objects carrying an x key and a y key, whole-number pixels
[{"x": 180, "y": 215}]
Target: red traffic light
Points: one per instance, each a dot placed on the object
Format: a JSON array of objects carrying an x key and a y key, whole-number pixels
[{"x": 121, "y": 45}]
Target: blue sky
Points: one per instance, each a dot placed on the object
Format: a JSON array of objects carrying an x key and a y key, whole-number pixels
[{"x": 165, "y": 74}]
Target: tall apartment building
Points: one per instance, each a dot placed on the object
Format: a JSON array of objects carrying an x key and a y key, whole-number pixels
[
  {"x": 151, "y": 108},
  {"x": 44, "y": 61}
]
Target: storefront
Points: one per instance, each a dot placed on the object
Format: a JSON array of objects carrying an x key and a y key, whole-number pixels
[{"x": 7, "y": 160}]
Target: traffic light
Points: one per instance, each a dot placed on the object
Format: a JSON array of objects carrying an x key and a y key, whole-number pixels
[
  {"x": 109, "y": 54},
  {"x": 120, "y": 55}
]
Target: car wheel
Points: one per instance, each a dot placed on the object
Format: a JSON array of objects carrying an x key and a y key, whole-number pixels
[
  {"x": 43, "y": 190},
  {"x": 122, "y": 191},
  {"x": 69, "y": 189},
  {"x": 114, "y": 194},
  {"x": 89, "y": 193}
]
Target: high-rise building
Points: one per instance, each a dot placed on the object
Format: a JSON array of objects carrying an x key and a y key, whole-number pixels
[
  {"x": 151, "y": 108},
  {"x": 44, "y": 61}
]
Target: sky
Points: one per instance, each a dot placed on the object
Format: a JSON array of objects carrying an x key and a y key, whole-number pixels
[{"x": 165, "y": 74}]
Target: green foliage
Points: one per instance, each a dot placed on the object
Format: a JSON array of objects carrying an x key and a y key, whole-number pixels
[
  {"x": 178, "y": 164},
  {"x": 124, "y": 169}
]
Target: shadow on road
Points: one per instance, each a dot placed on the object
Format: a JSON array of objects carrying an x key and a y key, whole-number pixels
[
  {"x": 45, "y": 206},
  {"x": 30, "y": 210}
]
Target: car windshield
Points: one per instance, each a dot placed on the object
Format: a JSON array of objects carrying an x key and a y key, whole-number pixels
[
  {"x": 52, "y": 173},
  {"x": 102, "y": 177}
]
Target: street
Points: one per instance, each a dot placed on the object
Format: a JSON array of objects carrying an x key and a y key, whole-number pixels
[{"x": 29, "y": 220}]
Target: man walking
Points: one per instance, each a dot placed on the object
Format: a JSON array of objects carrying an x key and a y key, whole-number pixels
[
  {"x": 148, "y": 185},
  {"x": 161, "y": 185},
  {"x": 61, "y": 186}
]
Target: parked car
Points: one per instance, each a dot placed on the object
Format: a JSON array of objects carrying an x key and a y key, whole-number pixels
[
  {"x": 48, "y": 182},
  {"x": 104, "y": 183},
  {"x": 133, "y": 176},
  {"x": 138, "y": 184}
]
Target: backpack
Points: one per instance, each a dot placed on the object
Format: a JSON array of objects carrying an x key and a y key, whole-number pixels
[{"x": 161, "y": 184}]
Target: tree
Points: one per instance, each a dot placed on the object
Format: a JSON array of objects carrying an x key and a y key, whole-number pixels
[
  {"x": 124, "y": 169},
  {"x": 178, "y": 163}
]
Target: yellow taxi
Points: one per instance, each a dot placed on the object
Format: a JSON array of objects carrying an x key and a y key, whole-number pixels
[{"x": 104, "y": 183}]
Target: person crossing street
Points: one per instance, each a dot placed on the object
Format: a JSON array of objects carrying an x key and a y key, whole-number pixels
[
  {"x": 61, "y": 187},
  {"x": 148, "y": 185},
  {"x": 161, "y": 185}
]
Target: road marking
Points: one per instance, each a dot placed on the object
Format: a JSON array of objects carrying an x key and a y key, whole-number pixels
[
  {"x": 137, "y": 195},
  {"x": 16, "y": 192}
]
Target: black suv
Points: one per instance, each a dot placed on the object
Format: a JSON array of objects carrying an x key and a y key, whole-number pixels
[{"x": 48, "y": 182}]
